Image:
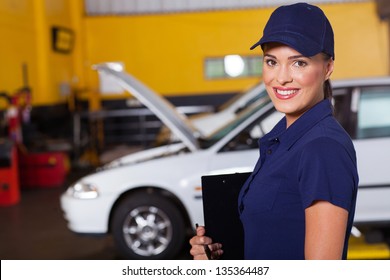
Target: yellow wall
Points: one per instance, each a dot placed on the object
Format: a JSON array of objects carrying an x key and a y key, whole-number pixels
[
  {"x": 361, "y": 40},
  {"x": 18, "y": 44},
  {"x": 167, "y": 51},
  {"x": 25, "y": 29}
]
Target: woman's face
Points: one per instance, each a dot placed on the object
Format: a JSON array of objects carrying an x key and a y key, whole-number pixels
[{"x": 295, "y": 83}]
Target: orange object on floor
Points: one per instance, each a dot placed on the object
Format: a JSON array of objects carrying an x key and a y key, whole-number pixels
[
  {"x": 43, "y": 170},
  {"x": 9, "y": 175}
]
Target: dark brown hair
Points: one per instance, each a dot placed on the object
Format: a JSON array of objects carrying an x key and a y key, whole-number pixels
[{"x": 328, "y": 92}]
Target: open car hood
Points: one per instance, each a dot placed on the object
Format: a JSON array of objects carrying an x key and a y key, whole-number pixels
[{"x": 161, "y": 107}]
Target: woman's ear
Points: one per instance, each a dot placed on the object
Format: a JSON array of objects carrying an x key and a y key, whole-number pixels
[{"x": 329, "y": 68}]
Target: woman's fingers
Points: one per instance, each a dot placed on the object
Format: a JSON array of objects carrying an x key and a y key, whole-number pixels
[
  {"x": 200, "y": 231},
  {"x": 198, "y": 246},
  {"x": 198, "y": 250}
]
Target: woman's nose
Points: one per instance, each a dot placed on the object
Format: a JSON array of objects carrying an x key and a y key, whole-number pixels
[{"x": 284, "y": 75}]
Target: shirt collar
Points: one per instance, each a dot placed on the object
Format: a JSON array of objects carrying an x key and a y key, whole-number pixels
[{"x": 288, "y": 137}]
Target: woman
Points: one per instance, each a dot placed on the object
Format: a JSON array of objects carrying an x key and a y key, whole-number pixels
[{"x": 299, "y": 202}]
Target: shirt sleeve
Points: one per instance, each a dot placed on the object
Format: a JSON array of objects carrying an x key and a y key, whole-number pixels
[{"x": 327, "y": 172}]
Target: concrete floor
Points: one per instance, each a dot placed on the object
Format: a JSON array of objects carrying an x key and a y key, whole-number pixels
[{"x": 35, "y": 229}]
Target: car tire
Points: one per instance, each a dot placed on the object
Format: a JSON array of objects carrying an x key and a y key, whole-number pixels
[{"x": 148, "y": 226}]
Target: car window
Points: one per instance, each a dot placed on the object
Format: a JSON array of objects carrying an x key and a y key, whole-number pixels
[
  {"x": 242, "y": 100},
  {"x": 248, "y": 138},
  {"x": 241, "y": 117},
  {"x": 373, "y": 113},
  {"x": 342, "y": 109}
]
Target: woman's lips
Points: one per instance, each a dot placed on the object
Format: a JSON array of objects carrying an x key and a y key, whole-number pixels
[{"x": 285, "y": 93}]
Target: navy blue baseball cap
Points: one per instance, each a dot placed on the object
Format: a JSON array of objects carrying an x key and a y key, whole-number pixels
[{"x": 301, "y": 26}]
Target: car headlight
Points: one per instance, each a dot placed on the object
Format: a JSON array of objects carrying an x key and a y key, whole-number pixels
[{"x": 83, "y": 191}]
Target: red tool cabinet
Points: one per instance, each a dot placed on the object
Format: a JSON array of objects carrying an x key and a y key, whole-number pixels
[
  {"x": 43, "y": 170},
  {"x": 9, "y": 175}
]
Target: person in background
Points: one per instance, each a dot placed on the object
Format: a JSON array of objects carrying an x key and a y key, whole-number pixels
[{"x": 299, "y": 202}]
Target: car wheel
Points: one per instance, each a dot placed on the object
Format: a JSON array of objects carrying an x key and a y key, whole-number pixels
[{"x": 148, "y": 226}]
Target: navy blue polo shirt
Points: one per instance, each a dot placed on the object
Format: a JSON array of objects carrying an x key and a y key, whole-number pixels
[{"x": 314, "y": 159}]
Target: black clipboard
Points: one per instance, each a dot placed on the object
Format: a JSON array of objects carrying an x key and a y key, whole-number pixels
[{"x": 220, "y": 210}]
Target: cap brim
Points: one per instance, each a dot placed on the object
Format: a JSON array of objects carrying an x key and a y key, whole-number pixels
[
  {"x": 255, "y": 45},
  {"x": 307, "y": 49}
]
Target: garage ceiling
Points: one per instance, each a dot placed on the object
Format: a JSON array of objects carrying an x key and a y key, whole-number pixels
[{"x": 105, "y": 7}]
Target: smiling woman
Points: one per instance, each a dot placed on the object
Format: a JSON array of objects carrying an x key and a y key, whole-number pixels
[
  {"x": 299, "y": 202},
  {"x": 296, "y": 81}
]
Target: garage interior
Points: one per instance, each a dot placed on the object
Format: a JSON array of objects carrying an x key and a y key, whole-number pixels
[{"x": 60, "y": 121}]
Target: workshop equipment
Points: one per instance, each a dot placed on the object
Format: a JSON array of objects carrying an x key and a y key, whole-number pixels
[
  {"x": 35, "y": 169},
  {"x": 43, "y": 169},
  {"x": 9, "y": 175}
]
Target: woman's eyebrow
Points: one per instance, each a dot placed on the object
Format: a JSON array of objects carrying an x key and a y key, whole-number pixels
[
  {"x": 270, "y": 55},
  {"x": 298, "y": 56},
  {"x": 289, "y": 58}
]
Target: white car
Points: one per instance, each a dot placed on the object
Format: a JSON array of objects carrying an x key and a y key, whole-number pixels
[
  {"x": 149, "y": 201},
  {"x": 206, "y": 124}
]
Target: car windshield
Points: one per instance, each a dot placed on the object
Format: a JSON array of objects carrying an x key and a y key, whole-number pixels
[
  {"x": 241, "y": 117},
  {"x": 245, "y": 98}
]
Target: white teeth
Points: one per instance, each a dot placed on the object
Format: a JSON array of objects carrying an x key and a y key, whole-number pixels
[{"x": 285, "y": 92}]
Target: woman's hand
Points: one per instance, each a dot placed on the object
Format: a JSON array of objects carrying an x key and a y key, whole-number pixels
[{"x": 198, "y": 243}]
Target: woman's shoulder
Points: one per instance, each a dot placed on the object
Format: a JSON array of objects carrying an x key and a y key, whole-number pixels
[
  {"x": 329, "y": 134},
  {"x": 329, "y": 128}
]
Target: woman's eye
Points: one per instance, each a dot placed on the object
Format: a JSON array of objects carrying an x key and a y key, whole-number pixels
[
  {"x": 300, "y": 63},
  {"x": 270, "y": 62}
]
